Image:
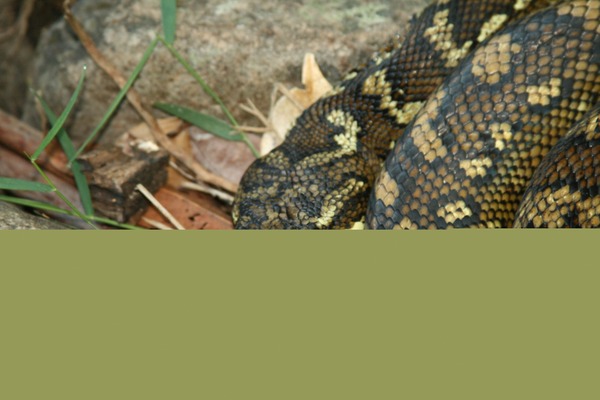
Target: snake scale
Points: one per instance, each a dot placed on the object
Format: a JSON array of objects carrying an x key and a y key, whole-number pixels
[{"x": 469, "y": 103}]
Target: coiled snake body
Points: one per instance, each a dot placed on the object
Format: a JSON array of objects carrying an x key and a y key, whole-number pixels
[{"x": 468, "y": 129}]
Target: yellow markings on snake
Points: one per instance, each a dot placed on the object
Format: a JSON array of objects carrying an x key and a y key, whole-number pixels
[
  {"x": 494, "y": 60},
  {"x": 440, "y": 35},
  {"x": 334, "y": 91},
  {"x": 592, "y": 127},
  {"x": 336, "y": 200},
  {"x": 454, "y": 211},
  {"x": 276, "y": 157},
  {"x": 408, "y": 111},
  {"x": 377, "y": 85},
  {"x": 491, "y": 26},
  {"x": 349, "y": 138},
  {"x": 552, "y": 206},
  {"x": 502, "y": 134},
  {"x": 358, "y": 226},
  {"x": 387, "y": 190},
  {"x": 425, "y": 138},
  {"x": 476, "y": 167},
  {"x": 541, "y": 94},
  {"x": 591, "y": 212},
  {"x": 521, "y": 4},
  {"x": 406, "y": 223},
  {"x": 382, "y": 57},
  {"x": 327, "y": 214}
]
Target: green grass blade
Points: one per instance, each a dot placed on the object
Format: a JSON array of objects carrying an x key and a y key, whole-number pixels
[
  {"x": 67, "y": 146},
  {"x": 34, "y": 204},
  {"x": 209, "y": 123},
  {"x": 169, "y": 19},
  {"x": 117, "y": 101},
  {"x": 61, "y": 119},
  {"x": 20, "y": 184},
  {"x": 52, "y": 208},
  {"x": 63, "y": 197},
  {"x": 207, "y": 89}
]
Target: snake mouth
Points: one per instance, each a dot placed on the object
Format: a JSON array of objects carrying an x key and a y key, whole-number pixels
[{"x": 265, "y": 200}]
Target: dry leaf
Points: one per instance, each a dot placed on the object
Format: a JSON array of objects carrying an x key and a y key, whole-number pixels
[
  {"x": 189, "y": 213},
  {"x": 289, "y": 107}
]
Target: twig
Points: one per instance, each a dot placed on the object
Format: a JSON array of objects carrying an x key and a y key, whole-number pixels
[
  {"x": 286, "y": 92},
  {"x": 227, "y": 198},
  {"x": 159, "y": 206},
  {"x": 253, "y": 110},
  {"x": 252, "y": 129},
  {"x": 156, "y": 224},
  {"x": 135, "y": 100}
]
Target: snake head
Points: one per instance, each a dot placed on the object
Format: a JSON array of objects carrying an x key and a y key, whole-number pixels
[{"x": 320, "y": 191}]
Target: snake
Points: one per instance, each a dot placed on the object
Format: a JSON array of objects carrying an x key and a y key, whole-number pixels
[{"x": 448, "y": 127}]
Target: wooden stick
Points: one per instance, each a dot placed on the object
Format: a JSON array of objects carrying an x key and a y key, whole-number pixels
[
  {"x": 165, "y": 213},
  {"x": 23, "y": 139}
]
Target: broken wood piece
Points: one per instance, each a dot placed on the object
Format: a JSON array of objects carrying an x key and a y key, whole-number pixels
[{"x": 113, "y": 174}]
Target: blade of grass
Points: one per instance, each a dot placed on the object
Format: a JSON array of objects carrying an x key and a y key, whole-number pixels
[
  {"x": 117, "y": 101},
  {"x": 61, "y": 119},
  {"x": 69, "y": 149},
  {"x": 51, "y": 208},
  {"x": 35, "y": 204},
  {"x": 209, "y": 123},
  {"x": 21, "y": 184},
  {"x": 207, "y": 89},
  {"x": 62, "y": 196},
  {"x": 169, "y": 19}
]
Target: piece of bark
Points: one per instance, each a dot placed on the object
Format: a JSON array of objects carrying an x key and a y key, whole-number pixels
[
  {"x": 189, "y": 213},
  {"x": 113, "y": 174}
]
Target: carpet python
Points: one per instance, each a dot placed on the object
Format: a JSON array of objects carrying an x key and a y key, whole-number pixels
[{"x": 466, "y": 128}]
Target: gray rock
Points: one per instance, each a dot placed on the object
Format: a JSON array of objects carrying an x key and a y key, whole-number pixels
[
  {"x": 15, "y": 61},
  {"x": 12, "y": 217},
  {"x": 240, "y": 47}
]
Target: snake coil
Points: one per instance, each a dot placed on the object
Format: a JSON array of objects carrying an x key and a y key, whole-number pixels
[{"x": 467, "y": 129}]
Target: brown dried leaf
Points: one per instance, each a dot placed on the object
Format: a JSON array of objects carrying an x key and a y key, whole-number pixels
[
  {"x": 289, "y": 107},
  {"x": 189, "y": 213}
]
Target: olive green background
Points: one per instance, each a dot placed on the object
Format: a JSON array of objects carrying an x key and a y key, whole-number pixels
[{"x": 299, "y": 315}]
